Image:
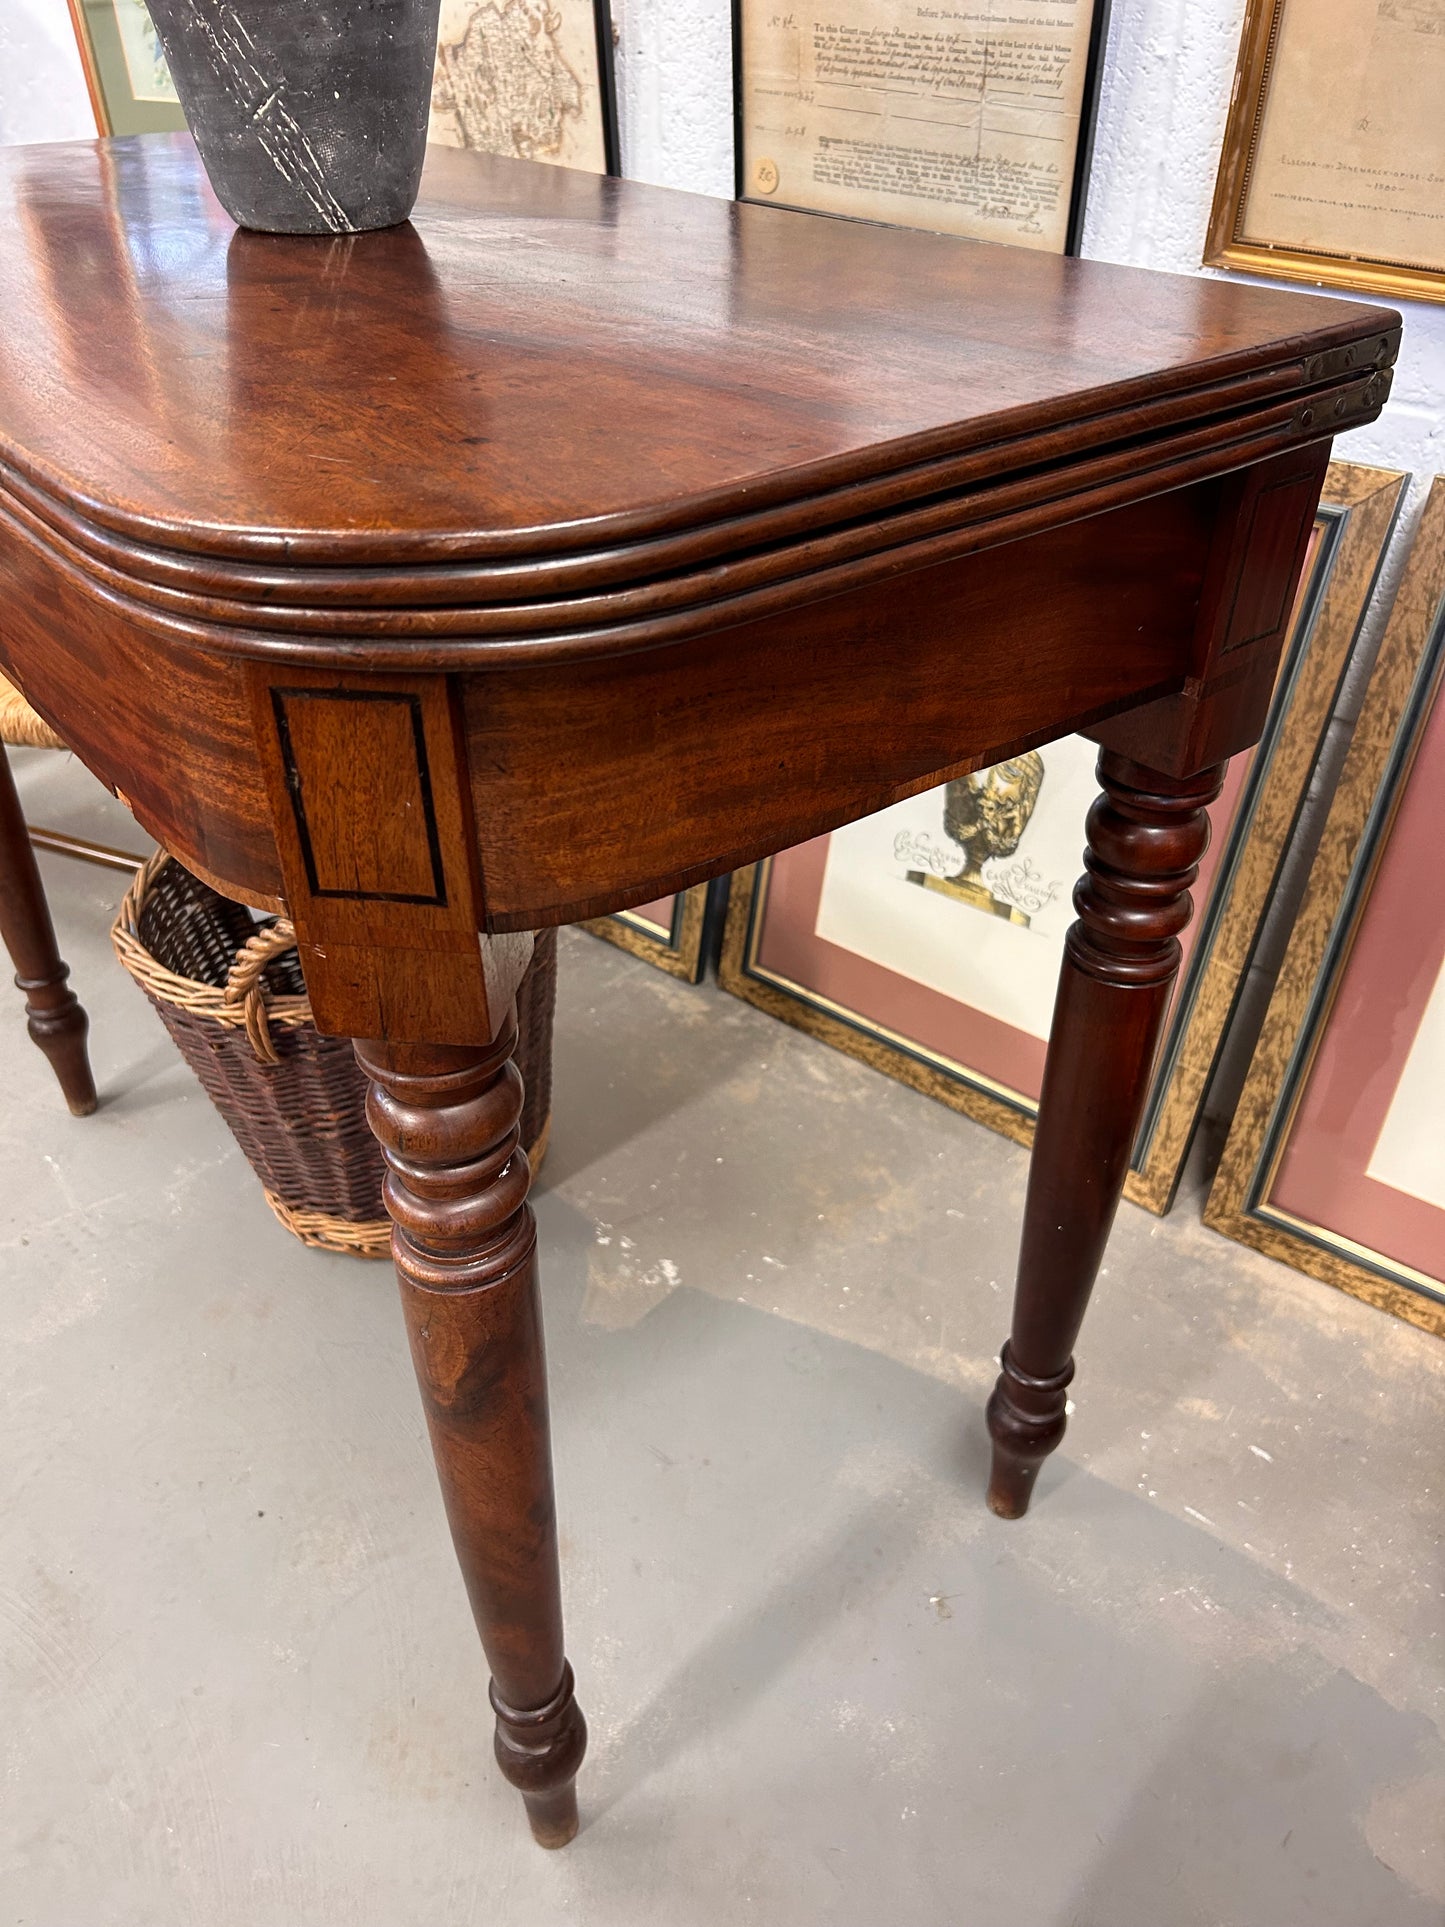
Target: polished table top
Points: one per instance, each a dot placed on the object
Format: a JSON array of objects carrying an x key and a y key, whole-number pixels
[
  {"x": 552, "y": 382},
  {"x": 562, "y": 419}
]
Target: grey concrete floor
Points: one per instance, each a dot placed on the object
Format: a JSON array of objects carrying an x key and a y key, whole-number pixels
[{"x": 238, "y": 1683}]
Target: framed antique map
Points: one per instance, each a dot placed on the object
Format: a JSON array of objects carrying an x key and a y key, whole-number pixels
[
  {"x": 529, "y": 78},
  {"x": 1336, "y": 1162},
  {"x": 131, "y": 90},
  {"x": 970, "y": 117},
  {"x": 927, "y": 939},
  {"x": 1333, "y": 166},
  {"x": 675, "y": 933}
]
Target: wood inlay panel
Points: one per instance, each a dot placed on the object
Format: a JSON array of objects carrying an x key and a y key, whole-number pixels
[
  {"x": 1262, "y": 597},
  {"x": 371, "y": 836}
]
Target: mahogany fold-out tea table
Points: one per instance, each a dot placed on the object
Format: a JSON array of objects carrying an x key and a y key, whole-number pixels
[{"x": 579, "y": 541}]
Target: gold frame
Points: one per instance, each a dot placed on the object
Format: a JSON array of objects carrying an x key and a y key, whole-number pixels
[
  {"x": 1408, "y": 674},
  {"x": 680, "y": 954},
  {"x": 1363, "y": 503},
  {"x": 1223, "y": 247}
]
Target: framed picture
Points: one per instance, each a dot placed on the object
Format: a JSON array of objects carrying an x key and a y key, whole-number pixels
[
  {"x": 530, "y": 78},
  {"x": 1334, "y": 152},
  {"x": 675, "y": 933},
  {"x": 962, "y": 120},
  {"x": 927, "y": 939},
  {"x": 131, "y": 90},
  {"x": 1336, "y": 1162}
]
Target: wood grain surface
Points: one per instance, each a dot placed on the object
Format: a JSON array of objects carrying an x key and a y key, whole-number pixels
[{"x": 553, "y": 381}]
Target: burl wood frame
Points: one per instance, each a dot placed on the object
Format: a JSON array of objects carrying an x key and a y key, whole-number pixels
[
  {"x": 1357, "y": 513},
  {"x": 657, "y": 469},
  {"x": 684, "y": 949},
  {"x": 1406, "y": 681}
]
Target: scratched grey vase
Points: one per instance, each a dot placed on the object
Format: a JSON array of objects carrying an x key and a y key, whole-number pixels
[{"x": 310, "y": 115}]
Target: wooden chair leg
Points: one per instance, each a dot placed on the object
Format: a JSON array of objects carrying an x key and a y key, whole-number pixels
[
  {"x": 465, "y": 1249},
  {"x": 1146, "y": 834},
  {"x": 55, "y": 1019}
]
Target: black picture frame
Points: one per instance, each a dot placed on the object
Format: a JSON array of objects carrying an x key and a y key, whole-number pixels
[{"x": 607, "y": 85}]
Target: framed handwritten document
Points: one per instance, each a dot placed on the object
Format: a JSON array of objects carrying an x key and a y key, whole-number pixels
[
  {"x": 969, "y": 117},
  {"x": 927, "y": 939},
  {"x": 1336, "y": 1162},
  {"x": 532, "y": 79},
  {"x": 1333, "y": 167}
]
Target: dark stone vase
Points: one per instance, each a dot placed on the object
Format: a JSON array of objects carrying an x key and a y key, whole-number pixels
[{"x": 310, "y": 115}]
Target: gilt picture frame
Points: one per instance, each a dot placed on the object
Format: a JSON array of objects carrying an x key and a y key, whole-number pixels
[
  {"x": 1335, "y": 147},
  {"x": 1336, "y": 1159},
  {"x": 876, "y": 941}
]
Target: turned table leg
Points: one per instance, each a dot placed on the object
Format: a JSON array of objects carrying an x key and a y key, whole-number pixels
[
  {"x": 1146, "y": 834},
  {"x": 54, "y": 1017},
  {"x": 465, "y": 1247}
]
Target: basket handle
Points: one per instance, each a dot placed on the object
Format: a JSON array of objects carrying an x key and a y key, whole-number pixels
[{"x": 243, "y": 984}]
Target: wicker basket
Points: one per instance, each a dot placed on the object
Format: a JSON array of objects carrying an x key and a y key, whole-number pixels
[{"x": 231, "y": 994}]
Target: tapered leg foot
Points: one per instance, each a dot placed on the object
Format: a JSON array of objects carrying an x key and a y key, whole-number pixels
[
  {"x": 1025, "y": 1422},
  {"x": 465, "y": 1245},
  {"x": 58, "y": 1025},
  {"x": 540, "y": 1753},
  {"x": 54, "y": 1017},
  {"x": 1146, "y": 834}
]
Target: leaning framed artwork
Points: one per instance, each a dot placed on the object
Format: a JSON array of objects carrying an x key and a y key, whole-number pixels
[
  {"x": 131, "y": 90},
  {"x": 527, "y": 78},
  {"x": 957, "y": 119},
  {"x": 1336, "y": 1161},
  {"x": 927, "y": 939},
  {"x": 677, "y": 933},
  {"x": 1334, "y": 150},
  {"x": 532, "y": 79}
]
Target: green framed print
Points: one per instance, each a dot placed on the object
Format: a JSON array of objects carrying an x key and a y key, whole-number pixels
[{"x": 131, "y": 90}]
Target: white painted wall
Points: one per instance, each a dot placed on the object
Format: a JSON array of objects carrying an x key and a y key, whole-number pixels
[
  {"x": 42, "y": 85},
  {"x": 1166, "y": 87},
  {"x": 675, "y": 92}
]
